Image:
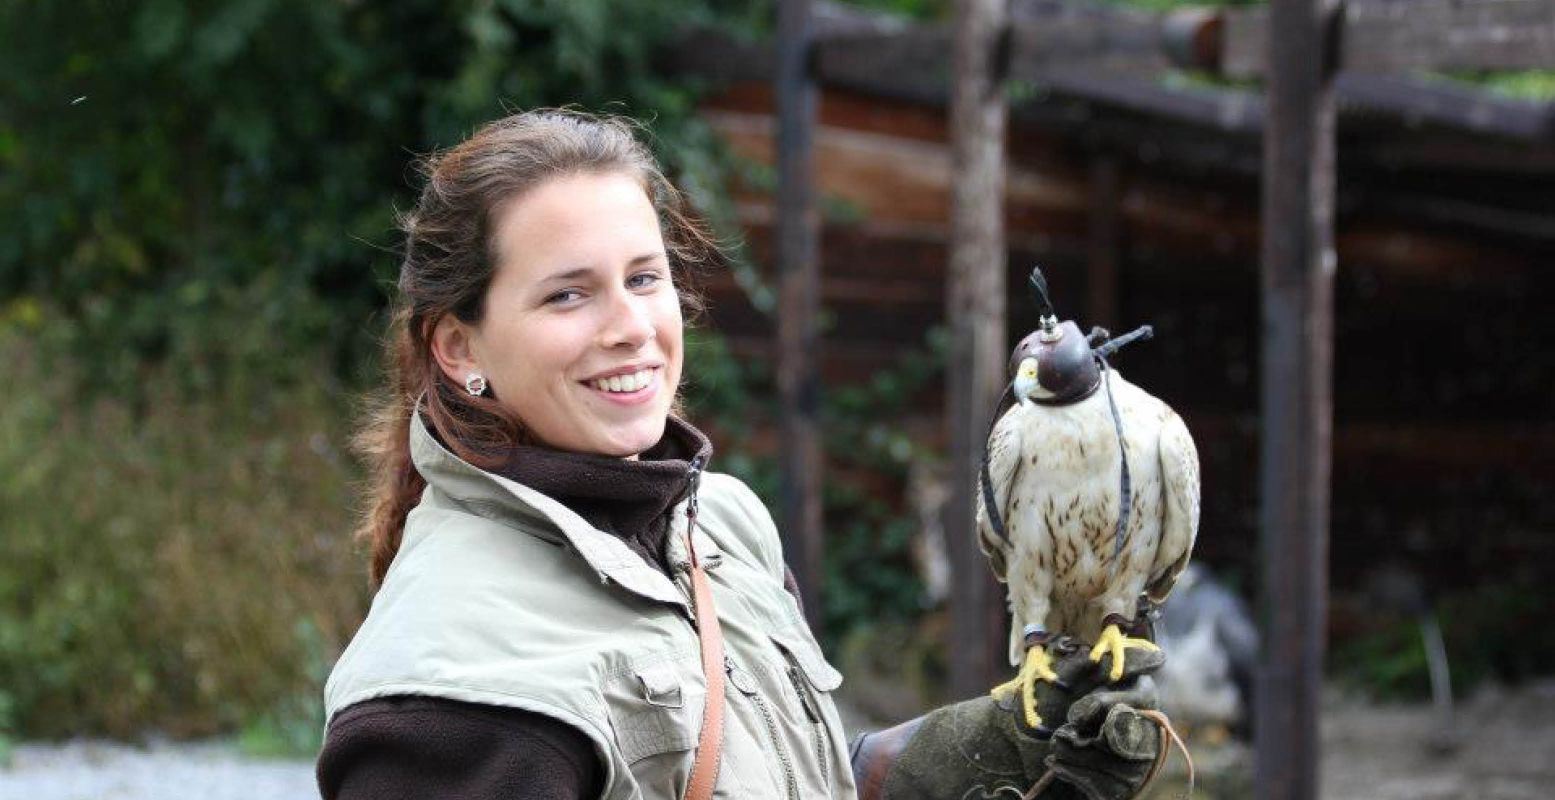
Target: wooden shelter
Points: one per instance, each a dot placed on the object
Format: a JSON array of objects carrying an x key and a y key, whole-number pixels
[
  {"x": 1138, "y": 190},
  {"x": 1139, "y": 198}
]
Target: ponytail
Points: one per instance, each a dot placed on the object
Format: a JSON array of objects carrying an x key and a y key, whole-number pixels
[{"x": 384, "y": 443}]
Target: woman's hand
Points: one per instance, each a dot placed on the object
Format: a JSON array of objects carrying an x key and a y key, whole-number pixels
[
  {"x": 1107, "y": 748},
  {"x": 1103, "y": 750}
]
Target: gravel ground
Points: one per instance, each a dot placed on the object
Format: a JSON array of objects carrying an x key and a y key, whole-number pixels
[
  {"x": 1501, "y": 747},
  {"x": 1504, "y": 750},
  {"x": 96, "y": 770}
]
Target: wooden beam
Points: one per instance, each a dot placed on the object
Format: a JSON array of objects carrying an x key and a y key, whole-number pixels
[
  {"x": 1071, "y": 86},
  {"x": 1119, "y": 39},
  {"x": 978, "y": 352},
  {"x": 798, "y": 330},
  {"x": 914, "y": 64},
  {"x": 1440, "y": 103},
  {"x": 1411, "y": 35},
  {"x": 1297, "y": 393},
  {"x": 1442, "y": 212}
]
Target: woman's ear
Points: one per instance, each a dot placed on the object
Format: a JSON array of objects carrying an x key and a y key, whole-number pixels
[{"x": 452, "y": 346}]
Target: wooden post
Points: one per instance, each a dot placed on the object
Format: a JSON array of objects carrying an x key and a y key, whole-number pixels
[
  {"x": 799, "y": 266},
  {"x": 978, "y": 350},
  {"x": 1297, "y": 413}
]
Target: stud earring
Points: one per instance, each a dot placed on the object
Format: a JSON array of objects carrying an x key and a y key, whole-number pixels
[{"x": 475, "y": 384}]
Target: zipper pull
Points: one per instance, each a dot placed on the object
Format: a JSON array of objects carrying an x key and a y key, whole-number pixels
[
  {"x": 811, "y": 710},
  {"x": 738, "y": 678},
  {"x": 694, "y": 473}
]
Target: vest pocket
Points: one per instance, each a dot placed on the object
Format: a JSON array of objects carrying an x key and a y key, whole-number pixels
[
  {"x": 656, "y": 711},
  {"x": 806, "y": 655},
  {"x": 813, "y": 679}
]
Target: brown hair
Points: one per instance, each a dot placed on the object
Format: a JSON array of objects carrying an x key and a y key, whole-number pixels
[{"x": 448, "y": 264}]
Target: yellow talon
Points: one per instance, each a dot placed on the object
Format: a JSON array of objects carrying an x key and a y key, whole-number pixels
[
  {"x": 1114, "y": 643},
  {"x": 1037, "y": 665}
]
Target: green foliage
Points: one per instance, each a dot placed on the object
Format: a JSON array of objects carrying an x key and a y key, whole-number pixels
[
  {"x": 1533, "y": 85},
  {"x": 7, "y": 727},
  {"x": 159, "y": 564},
  {"x": 870, "y": 576},
  {"x": 191, "y": 284},
  {"x": 862, "y": 419},
  {"x": 293, "y": 725},
  {"x": 173, "y": 165},
  {"x": 1490, "y": 634},
  {"x": 731, "y": 396},
  {"x": 868, "y": 572},
  {"x": 926, "y": 10},
  {"x": 1388, "y": 663}
]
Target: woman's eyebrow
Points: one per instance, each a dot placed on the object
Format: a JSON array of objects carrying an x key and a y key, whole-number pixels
[
  {"x": 581, "y": 272},
  {"x": 568, "y": 275}
]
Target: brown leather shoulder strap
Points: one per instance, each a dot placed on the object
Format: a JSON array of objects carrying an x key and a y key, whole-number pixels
[{"x": 704, "y": 770}]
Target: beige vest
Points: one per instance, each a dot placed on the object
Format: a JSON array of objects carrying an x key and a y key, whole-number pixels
[{"x": 501, "y": 595}]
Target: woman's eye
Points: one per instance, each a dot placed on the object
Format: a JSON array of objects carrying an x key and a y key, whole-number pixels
[
  {"x": 564, "y": 296},
  {"x": 644, "y": 279}
]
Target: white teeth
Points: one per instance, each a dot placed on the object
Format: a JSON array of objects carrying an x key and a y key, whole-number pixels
[{"x": 625, "y": 383}]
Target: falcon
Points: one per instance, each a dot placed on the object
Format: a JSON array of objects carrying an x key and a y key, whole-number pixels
[{"x": 1089, "y": 501}]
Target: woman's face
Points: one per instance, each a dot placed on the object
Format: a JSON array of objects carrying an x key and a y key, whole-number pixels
[{"x": 581, "y": 333}]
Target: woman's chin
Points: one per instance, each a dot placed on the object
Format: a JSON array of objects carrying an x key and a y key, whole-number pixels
[{"x": 624, "y": 441}]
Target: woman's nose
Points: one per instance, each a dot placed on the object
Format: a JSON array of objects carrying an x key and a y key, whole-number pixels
[{"x": 630, "y": 321}]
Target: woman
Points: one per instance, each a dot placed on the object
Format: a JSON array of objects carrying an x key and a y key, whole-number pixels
[{"x": 544, "y": 627}]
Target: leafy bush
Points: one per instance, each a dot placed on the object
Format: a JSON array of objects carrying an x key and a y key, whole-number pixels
[
  {"x": 173, "y": 164},
  {"x": 1486, "y": 632},
  {"x": 158, "y": 562},
  {"x": 7, "y": 729},
  {"x": 191, "y": 282}
]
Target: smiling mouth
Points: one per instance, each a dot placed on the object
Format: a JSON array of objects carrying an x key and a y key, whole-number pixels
[{"x": 624, "y": 384}]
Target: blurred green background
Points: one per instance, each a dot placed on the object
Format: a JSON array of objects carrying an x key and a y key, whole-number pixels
[
  {"x": 198, "y": 248},
  {"x": 198, "y": 251}
]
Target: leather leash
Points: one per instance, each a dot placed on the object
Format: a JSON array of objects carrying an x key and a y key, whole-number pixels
[
  {"x": 1168, "y": 734},
  {"x": 704, "y": 769}
]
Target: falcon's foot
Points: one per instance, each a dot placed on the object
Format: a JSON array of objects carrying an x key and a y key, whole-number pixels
[
  {"x": 1037, "y": 666},
  {"x": 1114, "y": 643}
]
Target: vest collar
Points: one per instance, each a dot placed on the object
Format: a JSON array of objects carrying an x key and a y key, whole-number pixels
[{"x": 532, "y": 513}]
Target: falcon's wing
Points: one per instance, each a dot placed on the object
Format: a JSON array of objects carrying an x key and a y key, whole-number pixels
[
  {"x": 1004, "y": 448},
  {"x": 1180, "y": 513}
]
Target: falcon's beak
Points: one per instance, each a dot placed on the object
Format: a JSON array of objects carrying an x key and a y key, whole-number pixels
[{"x": 1025, "y": 381}]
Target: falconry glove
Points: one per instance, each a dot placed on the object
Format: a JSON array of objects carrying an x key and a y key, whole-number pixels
[
  {"x": 982, "y": 748},
  {"x": 1108, "y": 746}
]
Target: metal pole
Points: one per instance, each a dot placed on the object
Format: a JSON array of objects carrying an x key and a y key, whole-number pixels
[
  {"x": 978, "y": 351},
  {"x": 799, "y": 266},
  {"x": 1298, "y": 276}
]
